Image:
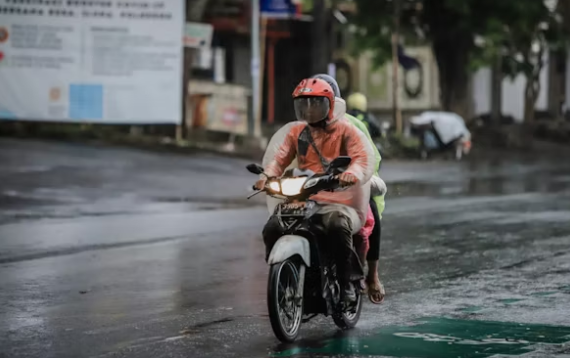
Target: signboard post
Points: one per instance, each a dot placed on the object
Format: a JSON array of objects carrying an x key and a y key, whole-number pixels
[
  {"x": 92, "y": 62},
  {"x": 255, "y": 85}
]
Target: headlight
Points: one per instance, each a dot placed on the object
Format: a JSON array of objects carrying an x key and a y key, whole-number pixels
[
  {"x": 292, "y": 186},
  {"x": 274, "y": 185}
]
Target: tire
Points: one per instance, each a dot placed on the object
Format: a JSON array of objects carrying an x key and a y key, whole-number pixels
[
  {"x": 275, "y": 292},
  {"x": 346, "y": 320}
]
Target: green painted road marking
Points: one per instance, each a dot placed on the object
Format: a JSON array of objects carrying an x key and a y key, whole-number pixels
[
  {"x": 542, "y": 294},
  {"x": 442, "y": 338},
  {"x": 509, "y": 301}
]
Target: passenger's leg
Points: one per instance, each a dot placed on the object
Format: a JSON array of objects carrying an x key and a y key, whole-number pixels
[
  {"x": 376, "y": 291},
  {"x": 374, "y": 239}
]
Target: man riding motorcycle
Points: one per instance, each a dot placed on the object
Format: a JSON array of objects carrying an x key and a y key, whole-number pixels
[{"x": 316, "y": 139}]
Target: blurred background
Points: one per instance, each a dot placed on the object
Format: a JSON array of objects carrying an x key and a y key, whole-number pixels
[
  {"x": 126, "y": 127},
  {"x": 502, "y": 66}
]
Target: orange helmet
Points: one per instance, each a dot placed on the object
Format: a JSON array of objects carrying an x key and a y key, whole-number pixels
[{"x": 313, "y": 99}]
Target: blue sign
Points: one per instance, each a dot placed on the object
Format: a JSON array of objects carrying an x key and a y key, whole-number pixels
[{"x": 277, "y": 8}]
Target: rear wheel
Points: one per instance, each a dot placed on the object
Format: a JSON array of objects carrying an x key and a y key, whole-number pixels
[
  {"x": 284, "y": 301},
  {"x": 349, "y": 318}
]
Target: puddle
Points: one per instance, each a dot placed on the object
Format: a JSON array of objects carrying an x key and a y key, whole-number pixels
[
  {"x": 440, "y": 337},
  {"x": 482, "y": 186}
]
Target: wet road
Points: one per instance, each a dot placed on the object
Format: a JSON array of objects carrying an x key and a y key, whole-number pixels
[{"x": 109, "y": 252}]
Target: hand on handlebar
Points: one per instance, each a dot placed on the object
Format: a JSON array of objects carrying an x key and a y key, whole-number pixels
[
  {"x": 260, "y": 184},
  {"x": 347, "y": 179}
]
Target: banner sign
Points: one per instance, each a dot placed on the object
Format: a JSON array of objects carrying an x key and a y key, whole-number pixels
[
  {"x": 96, "y": 61},
  {"x": 278, "y": 8},
  {"x": 198, "y": 35}
]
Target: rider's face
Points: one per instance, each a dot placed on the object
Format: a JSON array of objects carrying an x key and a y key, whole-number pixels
[{"x": 311, "y": 109}]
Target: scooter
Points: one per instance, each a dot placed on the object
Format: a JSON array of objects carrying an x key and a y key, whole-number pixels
[{"x": 303, "y": 282}]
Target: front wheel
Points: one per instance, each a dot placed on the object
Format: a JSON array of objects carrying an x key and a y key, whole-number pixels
[
  {"x": 284, "y": 301},
  {"x": 349, "y": 318}
]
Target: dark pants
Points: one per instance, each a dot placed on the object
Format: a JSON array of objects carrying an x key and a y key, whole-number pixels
[
  {"x": 374, "y": 239},
  {"x": 337, "y": 231}
]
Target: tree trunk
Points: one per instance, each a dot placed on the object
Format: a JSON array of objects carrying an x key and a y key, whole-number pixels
[
  {"x": 453, "y": 61},
  {"x": 496, "y": 91},
  {"x": 532, "y": 87},
  {"x": 531, "y": 91},
  {"x": 397, "y": 113}
]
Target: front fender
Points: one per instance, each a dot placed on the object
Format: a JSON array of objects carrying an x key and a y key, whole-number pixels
[{"x": 288, "y": 246}]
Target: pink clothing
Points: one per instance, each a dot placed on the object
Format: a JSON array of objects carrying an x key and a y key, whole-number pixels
[{"x": 366, "y": 230}]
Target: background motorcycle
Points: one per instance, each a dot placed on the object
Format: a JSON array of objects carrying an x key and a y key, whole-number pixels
[{"x": 302, "y": 276}]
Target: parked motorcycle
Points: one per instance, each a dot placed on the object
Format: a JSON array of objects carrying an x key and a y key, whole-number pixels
[
  {"x": 303, "y": 282},
  {"x": 443, "y": 132}
]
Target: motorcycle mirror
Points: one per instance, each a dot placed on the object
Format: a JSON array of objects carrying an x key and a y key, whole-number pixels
[
  {"x": 340, "y": 162},
  {"x": 255, "y": 168}
]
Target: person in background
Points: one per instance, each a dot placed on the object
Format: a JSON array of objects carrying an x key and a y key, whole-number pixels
[{"x": 358, "y": 107}]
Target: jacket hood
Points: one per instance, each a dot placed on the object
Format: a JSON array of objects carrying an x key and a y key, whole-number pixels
[{"x": 339, "y": 109}]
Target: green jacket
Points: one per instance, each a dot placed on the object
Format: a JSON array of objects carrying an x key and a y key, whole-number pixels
[{"x": 380, "y": 202}]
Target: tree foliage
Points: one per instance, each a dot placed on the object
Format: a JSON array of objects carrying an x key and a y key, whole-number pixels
[{"x": 464, "y": 35}]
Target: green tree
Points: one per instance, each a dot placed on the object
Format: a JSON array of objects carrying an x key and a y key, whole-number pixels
[
  {"x": 463, "y": 34},
  {"x": 449, "y": 27},
  {"x": 529, "y": 31}
]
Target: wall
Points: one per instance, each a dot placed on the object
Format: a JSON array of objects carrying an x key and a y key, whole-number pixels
[
  {"x": 241, "y": 61},
  {"x": 481, "y": 90},
  {"x": 376, "y": 84},
  {"x": 512, "y": 93}
]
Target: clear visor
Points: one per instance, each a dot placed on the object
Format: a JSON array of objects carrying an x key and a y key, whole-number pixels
[{"x": 311, "y": 109}]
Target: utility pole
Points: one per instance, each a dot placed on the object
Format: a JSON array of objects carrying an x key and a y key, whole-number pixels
[
  {"x": 194, "y": 10},
  {"x": 397, "y": 114},
  {"x": 320, "y": 38},
  {"x": 255, "y": 60}
]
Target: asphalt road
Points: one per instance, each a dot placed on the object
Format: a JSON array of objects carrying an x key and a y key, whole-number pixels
[{"x": 110, "y": 252}]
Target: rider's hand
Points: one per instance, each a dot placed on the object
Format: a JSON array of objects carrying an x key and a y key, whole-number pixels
[
  {"x": 347, "y": 179},
  {"x": 260, "y": 184}
]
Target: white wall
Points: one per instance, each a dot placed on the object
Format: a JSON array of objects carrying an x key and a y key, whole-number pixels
[
  {"x": 481, "y": 91},
  {"x": 512, "y": 93},
  {"x": 513, "y": 97}
]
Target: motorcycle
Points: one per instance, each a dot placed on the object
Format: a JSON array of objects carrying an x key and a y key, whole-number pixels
[{"x": 302, "y": 281}]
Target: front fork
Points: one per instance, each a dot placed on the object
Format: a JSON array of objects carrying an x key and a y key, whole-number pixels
[
  {"x": 330, "y": 289},
  {"x": 300, "y": 291}
]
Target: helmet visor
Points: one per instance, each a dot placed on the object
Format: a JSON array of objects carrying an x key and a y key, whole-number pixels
[{"x": 311, "y": 109}]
